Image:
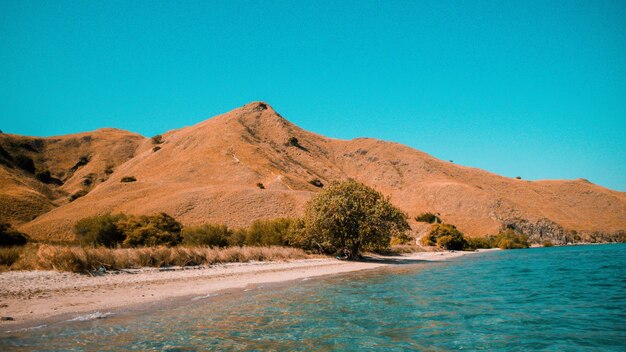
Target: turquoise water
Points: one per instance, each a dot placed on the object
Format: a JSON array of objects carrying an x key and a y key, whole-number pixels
[{"x": 543, "y": 299}]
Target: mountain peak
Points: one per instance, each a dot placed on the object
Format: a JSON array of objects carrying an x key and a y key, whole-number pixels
[
  {"x": 258, "y": 106},
  {"x": 209, "y": 172},
  {"x": 259, "y": 116}
]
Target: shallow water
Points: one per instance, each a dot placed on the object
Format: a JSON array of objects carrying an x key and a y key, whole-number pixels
[{"x": 552, "y": 299}]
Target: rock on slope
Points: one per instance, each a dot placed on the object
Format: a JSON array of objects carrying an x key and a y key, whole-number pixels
[{"x": 209, "y": 173}]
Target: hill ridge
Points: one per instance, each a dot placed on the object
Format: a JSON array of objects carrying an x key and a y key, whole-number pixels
[{"x": 208, "y": 172}]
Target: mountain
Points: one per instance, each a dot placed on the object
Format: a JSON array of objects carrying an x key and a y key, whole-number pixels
[{"x": 209, "y": 173}]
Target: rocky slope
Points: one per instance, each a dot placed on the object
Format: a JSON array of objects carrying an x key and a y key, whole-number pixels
[{"x": 209, "y": 173}]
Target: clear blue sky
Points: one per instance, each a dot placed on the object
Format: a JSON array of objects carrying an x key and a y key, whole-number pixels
[{"x": 535, "y": 89}]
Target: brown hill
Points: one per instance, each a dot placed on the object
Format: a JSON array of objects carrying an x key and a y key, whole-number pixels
[
  {"x": 209, "y": 173},
  {"x": 40, "y": 174}
]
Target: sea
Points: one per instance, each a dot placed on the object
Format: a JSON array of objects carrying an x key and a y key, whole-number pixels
[{"x": 540, "y": 299}]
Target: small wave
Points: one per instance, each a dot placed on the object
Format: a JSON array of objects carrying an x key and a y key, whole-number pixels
[
  {"x": 92, "y": 316},
  {"x": 205, "y": 296},
  {"x": 28, "y": 328}
]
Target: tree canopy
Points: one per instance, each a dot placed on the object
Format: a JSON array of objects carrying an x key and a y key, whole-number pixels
[{"x": 348, "y": 217}]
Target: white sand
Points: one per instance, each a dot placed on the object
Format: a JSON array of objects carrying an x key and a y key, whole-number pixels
[{"x": 32, "y": 297}]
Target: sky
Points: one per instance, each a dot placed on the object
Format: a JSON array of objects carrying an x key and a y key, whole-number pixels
[{"x": 535, "y": 89}]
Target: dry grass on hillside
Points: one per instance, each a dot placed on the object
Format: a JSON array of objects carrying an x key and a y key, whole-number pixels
[
  {"x": 208, "y": 173},
  {"x": 84, "y": 260}
]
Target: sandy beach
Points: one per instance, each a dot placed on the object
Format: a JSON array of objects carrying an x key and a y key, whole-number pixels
[{"x": 32, "y": 298}]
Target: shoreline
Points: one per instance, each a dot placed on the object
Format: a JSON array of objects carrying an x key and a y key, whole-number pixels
[{"x": 36, "y": 298}]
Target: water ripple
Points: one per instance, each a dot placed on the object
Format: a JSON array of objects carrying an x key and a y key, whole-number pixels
[{"x": 545, "y": 299}]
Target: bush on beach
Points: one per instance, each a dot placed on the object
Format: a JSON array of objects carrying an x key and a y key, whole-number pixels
[
  {"x": 507, "y": 239},
  {"x": 445, "y": 236},
  {"x": 207, "y": 235},
  {"x": 510, "y": 239},
  {"x": 151, "y": 230},
  {"x": 101, "y": 230},
  {"x": 275, "y": 232},
  {"x": 128, "y": 231}
]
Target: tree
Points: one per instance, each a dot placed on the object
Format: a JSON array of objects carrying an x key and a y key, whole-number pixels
[{"x": 349, "y": 217}]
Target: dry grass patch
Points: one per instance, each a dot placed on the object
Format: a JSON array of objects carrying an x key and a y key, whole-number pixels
[
  {"x": 8, "y": 256},
  {"x": 88, "y": 259}
]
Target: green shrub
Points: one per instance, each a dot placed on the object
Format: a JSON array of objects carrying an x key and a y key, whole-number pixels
[
  {"x": 238, "y": 238},
  {"x": 293, "y": 141},
  {"x": 297, "y": 236},
  {"x": 128, "y": 179},
  {"x": 207, "y": 235},
  {"x": 510, "y": 239},
  {"x": 43, "y": 176},
  {"x": 100, "y": 230},
  {"x": 260, "y": 185},
  {"x": 275, "y": 232},
  {"x": 156, "y": 149},
  {"x": 88, "y": 179},
  {"x": 316, "y": 182},
  {"x": 10, "y": 237},
  {"x": 401, "y": 239},
  {"x": 158, "y": 139},
  {"x": 548, "y": 244},
  {"x": 451, "y": 242},
  {"x": 428, "y": 217},
  {"x": 486, "y": 242},
  {"x": 25, "y": 163},
  {"x": 153, "y": 230},
  {"x": 77, "y": 194},
  {"x": 445, "y": 236},
  {"x": 82, "y": 161},
  {"x": 129, "y": 231},
  {"x": 507, "y": 239}
]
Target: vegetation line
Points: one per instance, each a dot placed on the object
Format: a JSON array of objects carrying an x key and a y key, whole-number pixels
[
  {"x": 101, "y": 259},
  {"x": 343, "y": 220}
]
